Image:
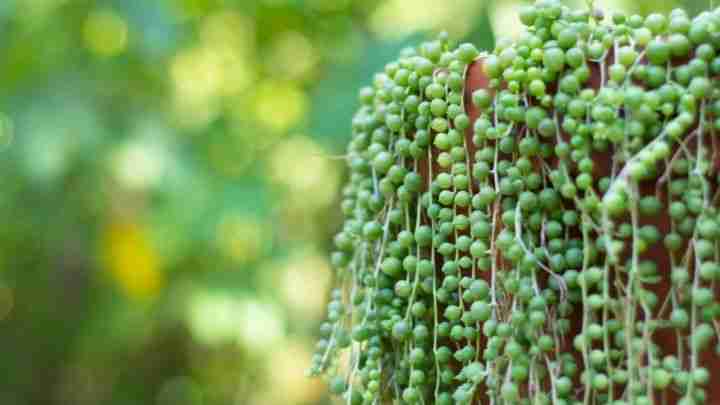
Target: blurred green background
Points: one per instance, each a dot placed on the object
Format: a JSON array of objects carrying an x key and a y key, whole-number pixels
[{"x": 169, "y": 182}]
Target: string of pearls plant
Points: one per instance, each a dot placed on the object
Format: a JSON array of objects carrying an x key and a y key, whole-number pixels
[{"x": 548, "y": 236}]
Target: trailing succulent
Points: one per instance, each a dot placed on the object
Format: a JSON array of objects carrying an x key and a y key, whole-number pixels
[{"x": 535, "y": 225}]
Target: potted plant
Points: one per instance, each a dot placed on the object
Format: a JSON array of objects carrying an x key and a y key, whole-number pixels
[{"x": 538, "y": 224}]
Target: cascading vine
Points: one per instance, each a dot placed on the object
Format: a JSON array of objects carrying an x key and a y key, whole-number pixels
[{"x": 536, "y": 225}]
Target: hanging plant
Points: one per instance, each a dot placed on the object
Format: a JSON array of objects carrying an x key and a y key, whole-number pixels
[{"x": 535, "y": 225}]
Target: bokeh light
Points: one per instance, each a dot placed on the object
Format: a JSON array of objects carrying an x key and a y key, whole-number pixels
[{"x": 105, "y": 33}]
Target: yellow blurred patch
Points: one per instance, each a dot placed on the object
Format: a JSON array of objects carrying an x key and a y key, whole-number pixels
[
  {"x": 292, "y": 56},
  {"x": 505, "y": 20},
  {"x": 306, "y": 170},
  {"x": 398, "y": 18},
  {"x": 197, "y": 76},
  {"x": 303, "y": 272},
  {"x": 222, "y": 64},
  {"x": 131, "y": 260},
  {"x": 279, "y": 105},
  {"x": 310, "y": 179},
  {"x": 215, "y": 317},
  {"x": 289, "y": 361},
  {"x": 105, "y": 33}
]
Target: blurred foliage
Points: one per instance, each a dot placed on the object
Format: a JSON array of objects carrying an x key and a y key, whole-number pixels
[{"x": 170, "y": 181}]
